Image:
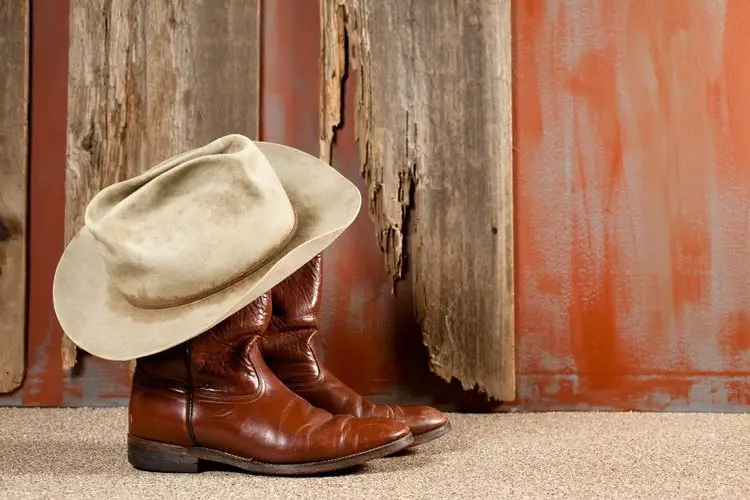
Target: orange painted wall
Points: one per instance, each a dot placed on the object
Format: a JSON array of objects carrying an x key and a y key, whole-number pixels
[{"x": 633, "y": 204}]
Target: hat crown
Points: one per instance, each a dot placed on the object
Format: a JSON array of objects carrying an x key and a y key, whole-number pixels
[{"x": 193, "y": 224}]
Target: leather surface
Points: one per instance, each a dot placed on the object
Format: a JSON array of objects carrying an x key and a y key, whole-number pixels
[
  {"x": 290, "y": 351},
  {"x": 159, "y": 406},
  {"x": 232, "y": 401}
]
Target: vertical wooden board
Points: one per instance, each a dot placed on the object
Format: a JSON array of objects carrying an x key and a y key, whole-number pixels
[
  {"x": 434, "y": 132},
  {"x": 107, "y": 140},
  {"x": 151, "y": 79},
  {"x": 14, "y": 72},
  {"x": 202, "y": 75},
  {"x": 462, "y": 235}
]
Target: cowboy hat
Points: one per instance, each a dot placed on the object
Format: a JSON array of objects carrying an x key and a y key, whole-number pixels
[{"x": 168, "y": 254}]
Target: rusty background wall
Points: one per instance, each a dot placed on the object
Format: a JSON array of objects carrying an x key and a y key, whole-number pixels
[
  {"x": 633, "y": 182},
  {"x": 632, "y": 178}
]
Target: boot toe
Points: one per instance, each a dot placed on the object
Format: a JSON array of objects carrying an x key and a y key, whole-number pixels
[
  {"x": 424, "y": 419},
  {"x": 371, "y": 433}
]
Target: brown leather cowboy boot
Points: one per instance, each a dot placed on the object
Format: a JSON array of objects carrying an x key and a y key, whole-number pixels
[
  {"x": 289, "y": 351},
  {"x": 213, "y": 398}
]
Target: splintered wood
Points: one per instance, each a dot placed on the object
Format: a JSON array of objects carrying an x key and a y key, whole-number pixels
[
  {"x": 14, "y": 61},
  {"x": 332, "y": 68},
  {"x": 149, "y": 80},
  {"x": 435, "y": 142}
]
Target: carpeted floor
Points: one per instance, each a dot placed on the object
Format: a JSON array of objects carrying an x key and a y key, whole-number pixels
[{"x": 81, "y": 454}]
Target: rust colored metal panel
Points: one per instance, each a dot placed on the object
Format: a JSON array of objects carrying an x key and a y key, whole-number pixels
[
  {"x": 632, "y": 188},
  {"x": 14, "y": 61},
  {"x": 289, "y": 74}
]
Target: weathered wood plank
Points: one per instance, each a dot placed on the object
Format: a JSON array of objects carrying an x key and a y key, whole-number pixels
[
  {"x": 434, "y": 133},
  {"x": 332, "y": 69},
  {"x": 151, "y": 79},
  {"x": 14, "y": 85}
]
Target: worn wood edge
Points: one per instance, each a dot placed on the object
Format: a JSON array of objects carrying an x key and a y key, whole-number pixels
[
  {"x": 68, "y": 353},
  {"x": 345, "y": 52},
  {"x": 332, "y": 66},
  {"x": 389, "y": 225},
  {"x": 68, "y": 350},
  {"x": 13, "y": 354}
]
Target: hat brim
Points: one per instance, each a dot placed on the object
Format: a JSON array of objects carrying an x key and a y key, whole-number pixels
[{"x": 100, "y": 321}]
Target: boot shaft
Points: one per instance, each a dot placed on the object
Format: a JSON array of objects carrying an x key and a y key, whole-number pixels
[
  {"x": 159, "y": 407},
  {"x": 296, "y": 300},
  {"x": 221, "y": 359},
  {"x": 219, "y": 363},
  {"x": 288, "y": 346}
]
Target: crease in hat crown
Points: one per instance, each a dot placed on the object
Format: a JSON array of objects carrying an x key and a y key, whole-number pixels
[{"x": 191, "y": 225}]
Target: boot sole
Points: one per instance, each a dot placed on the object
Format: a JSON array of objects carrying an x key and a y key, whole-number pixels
[
  {"x": 161, "y": 457},
  {"x": 431, "y": 435}
]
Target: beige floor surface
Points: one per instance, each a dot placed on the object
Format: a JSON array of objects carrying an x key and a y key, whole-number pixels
[{"x": 81, "y": 454}]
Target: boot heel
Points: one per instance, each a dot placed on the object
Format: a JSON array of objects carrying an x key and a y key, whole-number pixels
[{"x": 160, "y": 457}]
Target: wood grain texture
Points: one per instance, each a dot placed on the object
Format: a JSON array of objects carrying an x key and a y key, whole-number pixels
[
  {"x": 151, "y": 79},
  {"x": 14, "y": 72},
  {"x": 332, "y": 70},
  {"x": 434, "y": 132}
]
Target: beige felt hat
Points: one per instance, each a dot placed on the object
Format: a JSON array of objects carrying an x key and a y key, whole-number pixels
[{"x": 168, "y": 254}]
